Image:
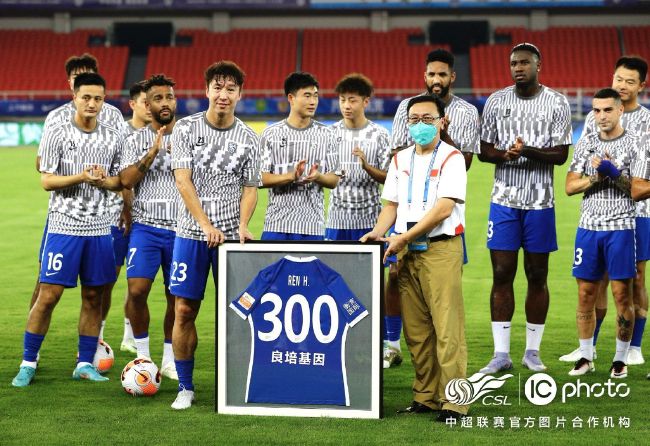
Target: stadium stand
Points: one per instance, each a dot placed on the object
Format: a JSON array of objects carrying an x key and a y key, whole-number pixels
[
  {"x": 33, "y": 59},
  {"x": 636, "y": 40},
  {"x": 385, "y": 57},
  {"x": 266, "y": 56},
  {"x": 572, "y": 57}
]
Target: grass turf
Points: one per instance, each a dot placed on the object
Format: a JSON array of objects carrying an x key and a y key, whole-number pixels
[{"x": 57, "y": 410}]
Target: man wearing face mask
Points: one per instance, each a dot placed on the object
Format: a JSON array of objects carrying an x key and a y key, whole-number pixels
[
  {"x": 425, "y": 194},
  {"x": 462, "y": 132}
]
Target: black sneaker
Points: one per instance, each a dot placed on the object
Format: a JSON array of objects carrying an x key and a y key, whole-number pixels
[
  {"x": 618, "y": 370},
  {"x": 447, "y": 414},
  {"x": 415, "y": 408}
]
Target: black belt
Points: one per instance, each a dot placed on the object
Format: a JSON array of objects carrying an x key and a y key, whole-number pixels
[{"x": 439, "y": 238}]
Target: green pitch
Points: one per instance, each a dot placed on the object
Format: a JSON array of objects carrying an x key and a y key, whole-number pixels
[{"x": 57, "y": 410}]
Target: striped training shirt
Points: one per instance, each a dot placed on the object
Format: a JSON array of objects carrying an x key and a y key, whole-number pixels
[
  {"x": 80, "y": 210},
  {"x": 355, "y": 202},
  {"x": 108, "y": 115},
  {"x": 638, "y": 122},
  {"x": 222, "y": 161},
  {"x": 542, "y": 121},
  {"x": 297, "y": 208},
  {"x": 605, "y": 207},
  {"x": 464, "y": 125},
  {"x": 156, "y": 198}
]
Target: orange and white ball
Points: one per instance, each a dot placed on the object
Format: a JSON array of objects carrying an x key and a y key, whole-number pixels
[
  {"x": 104, "y": 358},
  {"x": 141, "y": 377}
]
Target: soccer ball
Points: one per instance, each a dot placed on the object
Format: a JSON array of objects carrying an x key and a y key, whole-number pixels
[
  {"x": 141, "y": 377},
  {"x": 104, "y": 358}
]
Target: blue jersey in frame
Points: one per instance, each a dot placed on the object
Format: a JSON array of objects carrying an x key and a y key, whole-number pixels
[{"x": 299, "y": 310}]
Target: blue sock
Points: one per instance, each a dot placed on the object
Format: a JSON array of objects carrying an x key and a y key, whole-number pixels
[
  {"x": 393, "y": 326},
  {"x": 168, "y": 341},
  {"x": 185, "y": 369},
  {"x": 637, "y": 334},
  {"x": 142, "y": 336},
  {"x": 87, "y": 348},
  {"x": 599, "y": 322},
  {"x": 31, "y": 344}
]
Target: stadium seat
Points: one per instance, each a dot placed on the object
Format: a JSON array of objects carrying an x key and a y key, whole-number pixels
[
  {"x": 572, "y": 57},
  {"x": 34, "y": 61}
]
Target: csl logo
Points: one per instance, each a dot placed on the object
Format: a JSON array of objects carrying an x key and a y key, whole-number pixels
[
  {"x": 464, "y": 391},
  {"x": 540, "y": 389}
]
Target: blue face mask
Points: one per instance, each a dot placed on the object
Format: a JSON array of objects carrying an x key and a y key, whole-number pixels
[{"x": 423, "y": 133}]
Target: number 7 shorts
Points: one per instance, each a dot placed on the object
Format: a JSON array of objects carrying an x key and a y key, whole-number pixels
[
  {"x": 66, "y": 257},
  {"x": 191, "y": 263}
]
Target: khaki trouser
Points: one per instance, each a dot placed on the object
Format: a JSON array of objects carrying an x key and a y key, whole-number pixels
[{"x": 434, "y": 320}]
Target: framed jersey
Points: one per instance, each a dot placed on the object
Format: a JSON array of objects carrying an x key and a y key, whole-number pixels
[{"x": 298, "y": 329}]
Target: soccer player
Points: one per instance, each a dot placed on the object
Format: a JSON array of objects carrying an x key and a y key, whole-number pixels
[
  {"x": 462, "y": 117},
  {"x": 215, "y": 163},
  {"x": 424, "y": 186},
  {"x": 299, "y": 159},
  {"x": 109, "y": 115},
  {"x": 77, "y": 157},
  {"x": 146, "y": 168},
  {"x": 605, "y": 238},
  {"x": 526, "y": 131},
  {"x": 140, "y": 118},
  {"x": 629, "y": 80},
  {"x": 462, "y": 132},
  {"x": 364, "y": 155}
]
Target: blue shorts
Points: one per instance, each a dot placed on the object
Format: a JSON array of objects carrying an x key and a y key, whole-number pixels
[
  {"x": 600, "y": 251},
  {"x": 510, "y": 229},
  {"x": 120, "y": 245},
  {"x": 40, "y": 250},
  {"x": 66, "y": 257},
  {"x": 642, "y": 237},
  {"x": 345, "y": 234},
  {"x": 149, "y": 249},
  {"x": 287, "y": 236},
  {"x": 190, "y": 265}
]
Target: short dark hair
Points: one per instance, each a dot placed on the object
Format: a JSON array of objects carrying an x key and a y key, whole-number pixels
[
  {"x": 355, "y": 83},
  {"x": 158, "y": 80},
  {"x": 427, "y": 98},
  {"x": 607, "y": 93},
  {"x": 634, "y": 62},
  {"x": 86, "y": 61},
  {"x": 136, "y": 89},
  {"x": 441, "y": 55},
  {"x": 526, "y": 46},
  {"x": 297, "y": 81},
  {"x": 225, "y": 69},
  {"x": 88, "y": 79}
]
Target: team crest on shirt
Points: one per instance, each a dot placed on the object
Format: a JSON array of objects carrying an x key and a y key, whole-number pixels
[
  {"x": 506, "y": 113},
  {"x": 232, "y": 147},
  {"x": 200, "y": 141},
  {"x": 246, "y": 301},
  {"x": 283, "y": 142},
  {"x": 72, "y": 145}
]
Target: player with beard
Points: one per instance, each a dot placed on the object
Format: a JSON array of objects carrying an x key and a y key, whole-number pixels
[
  {"x": 146, "y": 168},
  {"x": 526, "y": 131},
  {"x": 629, "y": 80},
  {"x": 605, "y": 238},
  {"x": 462, "y": 131}
]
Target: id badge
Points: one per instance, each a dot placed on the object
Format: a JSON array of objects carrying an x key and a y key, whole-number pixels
[{"x": 419, "y": 244}]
